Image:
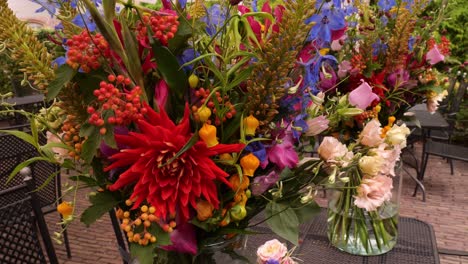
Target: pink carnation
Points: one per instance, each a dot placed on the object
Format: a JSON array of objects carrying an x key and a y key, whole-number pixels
[
  {"x": 331, "y": 149},
  {"x": 373, "y": 192}
]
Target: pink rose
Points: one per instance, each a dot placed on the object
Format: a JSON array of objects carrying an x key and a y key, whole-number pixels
[
  {"x": 434, "y": 56},
  {"x": 373, "y": 192},
  {"x": 331, "y": 149},
  {"x": 370, "y": 135},
  {"x": 390, "y": 157},
  {"x": 316, "y": 125},
  {"x": 362, "y": 96},
  {"x": 271, "y": 250}
]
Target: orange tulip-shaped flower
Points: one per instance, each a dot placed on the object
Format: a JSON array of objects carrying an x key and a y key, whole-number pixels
[
  {"x": 65, "y": 209},
  {"x": 208, "y": 135},
  {"x": 250, "y": 125},
  {"x": 249, "y": 164}
]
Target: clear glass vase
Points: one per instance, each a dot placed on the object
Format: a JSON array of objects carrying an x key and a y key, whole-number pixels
[{"x": 356, "y": 231}]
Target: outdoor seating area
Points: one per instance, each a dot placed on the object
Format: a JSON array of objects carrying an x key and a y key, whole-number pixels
[{"x": 233, "y": 132}]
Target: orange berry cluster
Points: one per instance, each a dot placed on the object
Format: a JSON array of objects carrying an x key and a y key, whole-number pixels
[
  {"x": 358, "y": 62},
  {"x": 126, "y": 106},
  {"x": 164, "y": 28},
  {"x": 71, "y": 136},
  {"x": 226, "y": 112},
  {"x": 143, "y": 221},
  {"x": 84, "y": 50}
]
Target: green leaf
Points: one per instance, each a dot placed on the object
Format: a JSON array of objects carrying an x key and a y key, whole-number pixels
[
  {"x": 184, "y": 31},
  {"x": 242, "y": 76},
  {"x": 87, "y": 82},
  {"x": 109, "y": 138},
  {"x": 283, "y": 221},
  {"x": 143, "y": 253},
  {"x": 109, "y": 9},
  {"x": 307, "y": 212},
  {"x": 162, "y": 238},
  {"x": 47, "y": 181},
  {"x": 22, "y": 135},
  {"x": 133, "y": 63},
  {"x": 84, "y": 179},
  {"x": 102, "y": 203},
  {"x": 22, "y": 165},
  {"x": 90, "y": 146},
  {"x": 87, "y": 130},
  {"x": 63, "y": 75},
  {"x": 171, "y": 72},
  {"x": 98, "y": 171}
]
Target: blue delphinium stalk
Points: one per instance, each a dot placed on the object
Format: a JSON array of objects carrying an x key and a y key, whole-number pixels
[
  {"x": 214, "y": 19},
  {"x": 386, "y": 5}
]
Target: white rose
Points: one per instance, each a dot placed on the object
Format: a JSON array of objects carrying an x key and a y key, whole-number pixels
[
  {"x": 370, "y": 135},
  {"x": 371, "y": 165},
  {"x": 397, "y": 135}
]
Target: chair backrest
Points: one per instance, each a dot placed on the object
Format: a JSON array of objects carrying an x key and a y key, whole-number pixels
[
  {"x": 13, "y": 151},
  {"x": 19, "y": 234}
]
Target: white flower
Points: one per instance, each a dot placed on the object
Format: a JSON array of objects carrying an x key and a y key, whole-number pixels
[
  {"x": 370, "y": 135},
  {"x": 397, "y": 135},
  {"x": 371, "y": 165},
  {"x": 271, "y": 250}
]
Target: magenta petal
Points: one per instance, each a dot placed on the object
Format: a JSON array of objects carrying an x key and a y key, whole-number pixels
[
  {"x": 183, "y": 239},
  {"x": 161, "y": 93},
  {"x": 434, "y": 56},
  {"x": 362, "y": 96},
  {"x": 283, "y": 155}
]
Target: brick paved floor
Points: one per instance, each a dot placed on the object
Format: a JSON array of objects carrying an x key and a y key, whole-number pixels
[{"x": 446, "y": 209}]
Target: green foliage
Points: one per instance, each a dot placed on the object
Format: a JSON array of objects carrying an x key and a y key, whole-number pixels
[{"x": 102, "y": 202}]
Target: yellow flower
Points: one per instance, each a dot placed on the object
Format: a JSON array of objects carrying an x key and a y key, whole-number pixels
[
  {"x": 208, "y": 135},
  {"x": 250, "y": 125},
  {"x": 204, "y": 113},
  {"x": 65, "y": 209},
  {"x": 249, "y": 164}
]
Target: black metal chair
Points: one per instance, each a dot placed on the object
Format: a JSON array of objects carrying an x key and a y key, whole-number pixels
[
  {"x": 445, "y": 150},
  {"x": 21, "y": 222},
  {"x": 13, "y": 152}
]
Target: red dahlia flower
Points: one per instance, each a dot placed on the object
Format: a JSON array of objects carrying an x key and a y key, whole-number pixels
[{"x": 168, "y": 186}]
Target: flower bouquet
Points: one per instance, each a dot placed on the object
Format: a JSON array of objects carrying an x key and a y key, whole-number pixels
[
  {"x": 363, "y": 205},
  {"x": 186, "y": 120}
]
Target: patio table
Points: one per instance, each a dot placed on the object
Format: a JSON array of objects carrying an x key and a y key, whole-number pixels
[
  {"x": 426, "y": 122},
  {"x": 416, "y": 244}
]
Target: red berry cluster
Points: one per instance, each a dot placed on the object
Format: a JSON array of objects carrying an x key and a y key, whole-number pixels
[
  {"x": 443, "y": 46},
  {"x": 225, "y": 107},
  {"x": 164, "y": 28},
  {"x": 358, "y": 62},
  {"x": 84, "y": 50},
  {"x": 125, "y": 105}
]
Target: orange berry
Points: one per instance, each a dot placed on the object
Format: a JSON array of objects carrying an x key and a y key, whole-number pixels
[
  {"x": 147, "y": 223},
  {"x": 144, "y": 216},
  {"x": 144, "y": 208},
  {"x": 65, "y": 209},
  {"x": 152, "y": 209}
]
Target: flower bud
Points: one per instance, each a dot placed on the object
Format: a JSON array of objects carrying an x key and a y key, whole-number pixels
[
  {"x": 204, "y": 113},
  {"x": 249, "y": 164},
  {"x": 208, "y": 135},
  {"x": 237, "y": 184},
  {"x": 250, "y": 125},
  {"x": 193, "y": 81},
  {"x": 204, "y": 210},
  {"x": 238, "y": 212}
]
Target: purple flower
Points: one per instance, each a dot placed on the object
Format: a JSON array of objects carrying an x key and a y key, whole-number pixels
[
  {"x": 272, "y": 261},
  {"x": 258, "y": 149},
  {"x": 362, "y": 96},
  {"x": 398, "y": 78},
  {"x": 183, "y": 239},
  {"x": 282, "y": 152},
  {"x": 386, "y": 5},
  {"x": 262, "y": 183},
  {"x": 327, "y": 21},
  {"x": 327, "y": 78},
  {"x": 214, "y": 19}
]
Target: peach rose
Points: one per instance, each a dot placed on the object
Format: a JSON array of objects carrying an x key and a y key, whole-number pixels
[
  {"x": 373, "y": 192},
  {"x": 331, "y": 149},
  {"x": 370, "y": 135},
  {"x": 397, "y": 135},
  {"x": 271, "y": 250}
]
